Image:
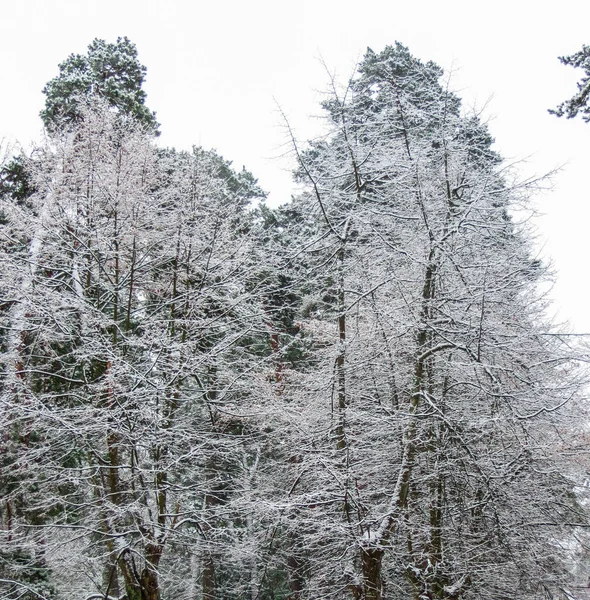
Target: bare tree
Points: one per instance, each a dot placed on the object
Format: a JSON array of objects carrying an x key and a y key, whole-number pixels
[
  {"x": 133, "y": 346},
  {"x": 445, "y": 391}
]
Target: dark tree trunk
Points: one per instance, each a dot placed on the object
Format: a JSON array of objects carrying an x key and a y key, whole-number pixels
[
  {"x": 372, "y": 577},
  {"x": 208, "y": 581},
  {"x": 110, "y": 576},
  {"x": 296, "y": 578},
  {"x": 150, "y": 587}
]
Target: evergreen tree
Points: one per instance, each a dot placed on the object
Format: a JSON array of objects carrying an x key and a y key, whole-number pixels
[
  {"x": 109, "y": 71},
  {"x": 579, "y": 103}
]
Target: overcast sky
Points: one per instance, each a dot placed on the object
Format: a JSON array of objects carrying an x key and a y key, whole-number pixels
[{"x": 217, "y": 71}]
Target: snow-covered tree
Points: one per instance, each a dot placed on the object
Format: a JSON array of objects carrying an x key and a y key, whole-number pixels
[
  {"x": 129, "y": 357},
  {"x": 579, "y": 102},
  {"x": 110, "y": 71},
  {"x": 428, "y": 429},
  {"x": 357, "y": 395}
]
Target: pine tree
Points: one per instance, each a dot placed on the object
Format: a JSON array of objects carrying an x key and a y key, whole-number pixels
[
  {"x": 111, "y": 72},
  {"x": 580, "y": 102}
]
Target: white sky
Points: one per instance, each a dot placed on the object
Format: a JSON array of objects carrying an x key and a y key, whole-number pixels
[{"x": 217, "y": 70}]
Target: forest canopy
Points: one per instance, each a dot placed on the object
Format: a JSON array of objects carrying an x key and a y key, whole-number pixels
[{"x": 356, "y": 395}]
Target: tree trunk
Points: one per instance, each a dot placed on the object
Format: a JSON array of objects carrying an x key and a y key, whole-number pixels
[
  {"x": 341, "y": 357},
  {"x": 150, "y": 587},
  {"x": 372, "y": 578},
  {"x": 208, "y": 580},
  {"x": 144, "y": 585},
  {"x": 110, "y": 576},
  {"x": 295, "y": 571}
]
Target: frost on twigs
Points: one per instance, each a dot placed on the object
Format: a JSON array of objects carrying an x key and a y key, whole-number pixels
[{"x": 357, "y": 395}]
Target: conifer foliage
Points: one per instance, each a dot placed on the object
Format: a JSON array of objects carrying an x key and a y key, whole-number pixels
[
  {"x": 579, "y": 103},
  {"x": 109, "y": 71}
]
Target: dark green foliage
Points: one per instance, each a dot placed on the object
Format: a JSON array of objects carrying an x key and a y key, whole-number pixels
[
  {"x": 283, "y": 291},
  {"x": 275, "y": 585},
  {"x": 23, "y": 568},
  {"x": 26, "y": 576},
  {"x": 110, "y": 71},
  {"x": 242, "y": 184},
  {"x": 396, "y": 70},
  {"x": 15, "y": 186},
  {"x": 579, "y": 103},
  {"x": 15, "y": 182}
]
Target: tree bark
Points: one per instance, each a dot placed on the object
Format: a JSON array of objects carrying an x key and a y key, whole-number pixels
[{"x": 371, "y": 559}]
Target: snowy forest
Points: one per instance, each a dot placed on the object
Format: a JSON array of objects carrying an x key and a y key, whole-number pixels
[{"x": 356, "y": 395}]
